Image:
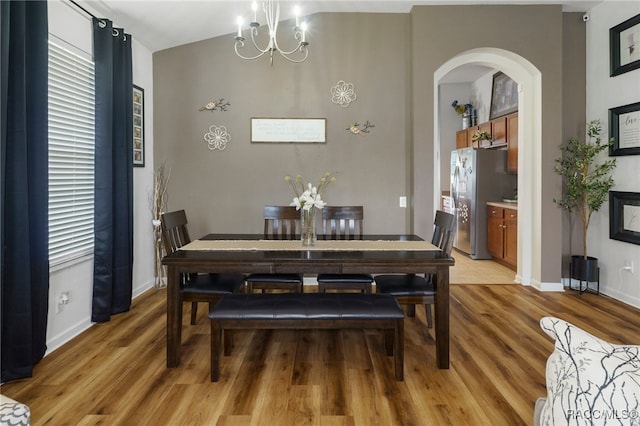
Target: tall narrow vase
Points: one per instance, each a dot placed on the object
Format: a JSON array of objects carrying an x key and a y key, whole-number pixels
[
  {"x": 308, "y": 227},
  {"x": 160, "y": 273}
]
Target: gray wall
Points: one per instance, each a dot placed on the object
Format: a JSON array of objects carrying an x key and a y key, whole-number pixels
[
  {"x": 391, "y": 59},
  {"x": 225, "y": 190},
  {"x": 533, "y": 32},
  {"x": 573, "y": 125}
]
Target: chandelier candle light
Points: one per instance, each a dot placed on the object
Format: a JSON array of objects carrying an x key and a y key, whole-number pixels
[
  {"x": 271, "y": 11},
  {"x": 307, "y": 200}
]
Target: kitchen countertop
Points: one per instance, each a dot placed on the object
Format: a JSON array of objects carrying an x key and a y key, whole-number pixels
[{"x": 512, "y": 206}]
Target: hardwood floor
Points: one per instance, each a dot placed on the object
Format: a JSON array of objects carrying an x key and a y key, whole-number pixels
[
  {"x": 469, "y": 271},
  {"x": 115, "y": 374}
]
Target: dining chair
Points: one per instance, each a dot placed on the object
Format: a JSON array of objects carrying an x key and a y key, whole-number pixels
[
  {"x": 343, "y": 223},
  {"x": 412, "y": 289},
  {"x": 195, "y": 287},
  {"x": 280, "y": 223}
]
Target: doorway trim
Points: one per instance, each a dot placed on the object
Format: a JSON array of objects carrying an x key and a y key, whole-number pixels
[{"x": 529, "y": 79}]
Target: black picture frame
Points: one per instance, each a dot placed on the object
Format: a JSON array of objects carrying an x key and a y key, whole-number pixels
[
  {"x": 504, "y": 96},
  {"x": 624, "y": 128},
  {"x": 624, "y": 216},
  {"x": 138, "y": 126},
  {"x": 624, "y": 46}
]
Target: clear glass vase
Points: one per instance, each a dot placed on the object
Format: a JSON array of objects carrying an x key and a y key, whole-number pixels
[
  {"x": 159, "y": 272},
  {"x": 308, "y": 227}
]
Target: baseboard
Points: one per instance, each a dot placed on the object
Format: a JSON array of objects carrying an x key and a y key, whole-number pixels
[
  {"x": 542, "y": 286},
  {"x": 624, "y": 298},
  {"x": 57, "y": 341}
]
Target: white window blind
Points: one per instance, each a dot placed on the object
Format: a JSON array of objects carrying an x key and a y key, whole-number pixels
[{"x": 71, "y": 155}]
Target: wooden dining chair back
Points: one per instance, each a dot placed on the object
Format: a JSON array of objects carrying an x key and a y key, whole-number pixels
[
  {"x": 195, "y": 287},
  {"x": 174, "y": 230},
  {"x": 411, "y": 289},
  {"x": 443, "y": 231},
  {"x": 342, "y": 222},
  {"x": 280, "y": 223}
]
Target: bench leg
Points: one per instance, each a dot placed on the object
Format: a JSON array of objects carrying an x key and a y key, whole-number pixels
[
  {"x": 398, "y": 344},
  {"x": 228, "y": 342},
  {"x": 216, "y": 335},
  {"x": 389, "y": 340}
]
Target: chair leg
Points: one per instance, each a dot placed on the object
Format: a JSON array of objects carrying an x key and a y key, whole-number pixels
[
  {"x": 411, "y": 310},
  {"x": 194, "y": 312},
  {"x": 427, "y": 311}
]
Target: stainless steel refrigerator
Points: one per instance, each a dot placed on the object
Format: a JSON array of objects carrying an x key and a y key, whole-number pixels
[{"x": 477, "y": 176}]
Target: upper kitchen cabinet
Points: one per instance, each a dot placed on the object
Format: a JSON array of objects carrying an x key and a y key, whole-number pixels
[
  {"x": 499, "y": 131},
  {"x": 512, "y": 143},
  {"x": 461, "y": 139}
]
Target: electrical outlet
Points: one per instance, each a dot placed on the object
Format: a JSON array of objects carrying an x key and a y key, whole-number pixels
[
  {"x": 63, "y": 300},
  {"x": 403, "y": 202},
  {"x": 628, "y": 266}
]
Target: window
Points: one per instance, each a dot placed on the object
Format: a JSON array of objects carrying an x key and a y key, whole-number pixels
[{"x": 71, "y": 155}]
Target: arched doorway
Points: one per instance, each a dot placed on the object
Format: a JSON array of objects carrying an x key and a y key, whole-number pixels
[{"x": 529, "y": 82}]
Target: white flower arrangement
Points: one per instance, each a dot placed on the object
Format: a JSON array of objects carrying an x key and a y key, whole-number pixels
[{"x": 309, "y": 196}]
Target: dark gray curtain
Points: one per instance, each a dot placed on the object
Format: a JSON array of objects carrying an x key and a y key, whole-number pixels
[
  {"x": 113, "y": 252},
  {"x": 24, "y": 169}
]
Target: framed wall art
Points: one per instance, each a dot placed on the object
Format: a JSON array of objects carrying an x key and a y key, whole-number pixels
[
  {"x": 624, "y": 128},
  {"x": 288, "y": 130},
  {"x": 624, "y": 46},
  {"x": 624, "y": 216},
  {"x": 504, "y": 96},
  {"x": 138, "y": 126}
]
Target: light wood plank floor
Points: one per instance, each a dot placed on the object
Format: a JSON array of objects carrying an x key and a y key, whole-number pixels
[
  {"x": 115, "y": 374},
  {"x": 469, "y": 271}
]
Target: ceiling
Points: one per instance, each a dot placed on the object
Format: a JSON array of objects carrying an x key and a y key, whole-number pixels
[{"x": 161, "y": 24}]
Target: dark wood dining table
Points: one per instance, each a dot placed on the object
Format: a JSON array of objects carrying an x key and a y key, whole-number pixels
[{"x": 391, "y": 259}]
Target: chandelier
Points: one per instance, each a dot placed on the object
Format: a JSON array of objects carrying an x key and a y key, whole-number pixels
[{"x": 271, "y": 11}]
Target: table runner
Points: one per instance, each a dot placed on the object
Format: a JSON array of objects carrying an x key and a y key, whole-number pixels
[{"x": 322, "y": 245}]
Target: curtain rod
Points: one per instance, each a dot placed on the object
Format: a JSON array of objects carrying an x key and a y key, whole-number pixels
[{"x": 83, "y": 9}]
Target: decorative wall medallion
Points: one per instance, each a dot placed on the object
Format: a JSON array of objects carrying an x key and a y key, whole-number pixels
[
  {"x": 357, "y": 130},
  {"x": 220, "y": 104},
  {"x": 343, "y": 94},
  {"x": 217, "y": 138}
]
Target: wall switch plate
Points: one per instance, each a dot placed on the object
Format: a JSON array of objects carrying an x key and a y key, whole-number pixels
[{"x": 403, "y": 202}]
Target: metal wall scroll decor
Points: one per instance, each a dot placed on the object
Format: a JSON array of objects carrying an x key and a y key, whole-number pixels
[
  {"x": 357, "y": 130},
  {"x": 343, "y": 94},
  {"x": 220, "y": 104},
  {"x": 217, "y": 138}
]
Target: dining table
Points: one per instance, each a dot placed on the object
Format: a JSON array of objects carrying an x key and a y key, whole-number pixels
[{"x": 252, "y": 253}]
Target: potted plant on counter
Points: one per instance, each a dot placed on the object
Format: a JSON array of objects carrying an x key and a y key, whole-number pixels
[{"x": 586, "y": 188}]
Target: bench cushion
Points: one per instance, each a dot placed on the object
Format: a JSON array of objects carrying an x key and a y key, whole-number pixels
[{"x": 306, "y": 306}]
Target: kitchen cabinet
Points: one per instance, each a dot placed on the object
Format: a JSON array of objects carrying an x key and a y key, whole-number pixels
[
  {"x": 503, "y": 131},
  {"x": 502, "y": 235},
  {"x": 499, "y": 131},
  {"x": 512, "y": 143},
  {"x": 461, "y": 139},
  {"x": 484, "y": 127}
]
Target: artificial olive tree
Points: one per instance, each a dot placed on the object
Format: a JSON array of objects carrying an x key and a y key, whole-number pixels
[{"x": 587, "y": 182}]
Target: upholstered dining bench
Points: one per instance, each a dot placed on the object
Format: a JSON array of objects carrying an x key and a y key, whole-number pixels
[{"x": 307, "y": 311}]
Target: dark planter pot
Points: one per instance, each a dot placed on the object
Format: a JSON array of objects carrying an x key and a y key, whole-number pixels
[{"x": 584, "y": 269}]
